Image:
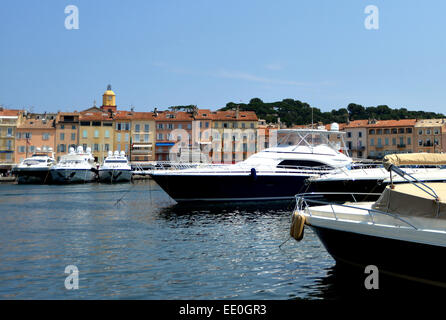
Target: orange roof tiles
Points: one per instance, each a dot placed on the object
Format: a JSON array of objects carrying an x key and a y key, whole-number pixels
[
  {"x": 35, "y": 124},
  {"x": 9, "y": 112}
]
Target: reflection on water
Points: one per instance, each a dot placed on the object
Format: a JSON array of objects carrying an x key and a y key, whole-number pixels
[{"x": 131, "y": 241}]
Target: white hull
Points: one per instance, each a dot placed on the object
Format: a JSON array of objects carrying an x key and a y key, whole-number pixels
[
  {"x": 72, "y": 175},
  {"x": 114, "y": 175}
]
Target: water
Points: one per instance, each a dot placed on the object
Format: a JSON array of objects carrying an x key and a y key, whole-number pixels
[{"x": 144, "y": 246}]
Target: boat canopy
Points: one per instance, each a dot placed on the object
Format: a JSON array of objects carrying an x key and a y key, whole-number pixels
[
  {"x": 406, "y": 199},
  {"x": 414, "y": 159}
]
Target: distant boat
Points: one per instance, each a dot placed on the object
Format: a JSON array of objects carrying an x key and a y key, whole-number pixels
[
  {"x": 115, "y": 168},
  {"x": 35, "y": 169},
  {"x": 75, "y": 167}
]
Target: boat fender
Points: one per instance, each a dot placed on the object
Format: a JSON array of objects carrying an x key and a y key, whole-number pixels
[
  {"x": 297, "y": 226},
  {"x": 253, "y": 173}
]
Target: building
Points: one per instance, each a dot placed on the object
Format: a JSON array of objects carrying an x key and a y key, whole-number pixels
[
  {"x": 34, "y": 131},
  {"x": 389, "y": 137},
  {"x": 234, "y": 135},
  {"x": 67, "y": 132},
  {"x": 8, "y": 128},
  {"x": 142, "y": 137},
  {"x": 356, "y": 138},
  {"x": 429, "y": 136},
  {"x": 96, "y": 131},
  {"x": 173, "y": 130}
]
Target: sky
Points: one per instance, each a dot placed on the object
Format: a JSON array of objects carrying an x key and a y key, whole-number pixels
[{"x": 160, "y": 53}]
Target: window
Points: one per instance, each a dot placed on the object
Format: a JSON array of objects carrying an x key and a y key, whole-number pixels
[
  {"x": 73, "y": 136},
  {"x": 372, "y": 131},
  {"x": 9, "y": 132},
  {"x": 84, "y": 134},
  {"x": 136, "y": 137},
  {"x": 160, "y": 126},
  {"x": 420, "y": 132},
  {"x": 252, "y": 125},
  {"x": 45, "y": 136},
  {"x": 379, "y": 142},
  {"x": 393, "y": 141},
  {"x": 428, "y": 131},
  {"x": 62, "y": 126},
  {"x": 420, "y": 142},
  {"x": 409, "y": 141},
  {"x": 22, "y": 149},
  {"x": 215, "y": 124},
  {"x": 118, "y": 137},
  {"x": 408, "y": 130},
  {"x": 243, "y": 125},
  {"x": 62, "y": 136},
  {"x": 118, "y": 126},
  {"x": 73, "y": 127},
  {"x": 28, "y": 135},
  {"x": 146, "y": 138},
  {"x": 146, "y": 128},
  {"x": 206, "y": 124},
  {"x": 372, "y": 142},
  {"x": 107, "y": 134},
  {"x": 137, "y": 127},
  {"x": 160, "y": 136},
  {"x": 96, "y": 123},
  {"x": 18, "y": 135},
  {"x": 360, "y": 134},
  {"x": 401, "y": 130},
  {"x": 126, "y": 137},
  {"x": 106, "y": 147},
  {"x": 386, "y": 131},
  {"x": 96, "y": 133},
  {"x": 300, "y": 163},
  {"x": 170, "y": 126},
  {"x": 436, "y": 131},
  {"x": 189, "y": 126},
  {"x": 96, "y": 147},
  {"x": 127, "y": 126},
  {"x": 349, "y": 134},
  {"x": 85, "y": 123},
  {"x": 386, "y": 141}
]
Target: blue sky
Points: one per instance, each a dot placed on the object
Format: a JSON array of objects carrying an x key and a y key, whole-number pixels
[{"x": 208, "y": 53}]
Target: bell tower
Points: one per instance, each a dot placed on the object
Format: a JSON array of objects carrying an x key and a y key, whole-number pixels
[{"x": 109, "y": 100}]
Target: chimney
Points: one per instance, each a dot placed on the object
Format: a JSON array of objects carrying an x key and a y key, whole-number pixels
[
  {"x": 237, "y": 112},
  {"x": 155, "y": 112}
]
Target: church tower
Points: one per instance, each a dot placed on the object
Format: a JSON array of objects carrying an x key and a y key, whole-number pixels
[{"x": 109, "y": 100}]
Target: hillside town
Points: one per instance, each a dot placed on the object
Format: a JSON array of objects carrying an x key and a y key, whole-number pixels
[{"x": 148, "y": 137}]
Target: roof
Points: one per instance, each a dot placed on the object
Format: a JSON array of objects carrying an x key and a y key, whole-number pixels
[
  {"x": 356, "y": 124},
  {"x": 381, "y": 123},
  {"x": 9, "y": 112},
  {"x": 430, "y": 123},
  {"x": 231, "y": 115},
  {"x": 35, "y": 124}
]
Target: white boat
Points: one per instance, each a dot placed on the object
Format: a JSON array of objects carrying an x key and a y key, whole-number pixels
[
  {"x": 369, "y": 179},
  {"x": 276, "y": 173},
  {"x": 402, "y": 234},
  {"x": 115, "y": 168},
  {"x": 75, "y": 167},
  {"x": 36, "y": 169}
]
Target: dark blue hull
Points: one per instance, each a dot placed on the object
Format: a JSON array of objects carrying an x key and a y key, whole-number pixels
[
  {"x": 404, "y": 259},
  {"x": 216, "y": 188}
]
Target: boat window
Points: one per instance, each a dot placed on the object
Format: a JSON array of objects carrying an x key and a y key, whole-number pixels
[
  {"x": 115, "y": 161},
  {"x": 300, "y": 163}
]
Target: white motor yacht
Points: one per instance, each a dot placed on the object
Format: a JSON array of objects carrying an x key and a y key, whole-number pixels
[
  {"x": 276, "y": 173},
  {"x": 403, "y": 233},
  {"x": 36, "y": 169},
  {"x": 75, "y": 167},
  {"x": 115, "y": 168}
]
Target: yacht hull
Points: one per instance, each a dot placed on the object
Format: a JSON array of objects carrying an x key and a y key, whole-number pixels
[
  {"x": 219, "y": 188},
  {"x": 62, "y": 176},
  {"x": 110, "y": 175},
  {"x": 404, "y": 259},
  {"x": 33, "y": 176}
]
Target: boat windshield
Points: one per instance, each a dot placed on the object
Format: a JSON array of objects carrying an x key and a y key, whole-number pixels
[
  {"x": 34, "y": 161},
  {"x": 311, "y": 138},
  {"x": 115, "y": 161}
]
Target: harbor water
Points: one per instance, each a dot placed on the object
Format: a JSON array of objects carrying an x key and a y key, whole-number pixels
[{"x": 131, "y": 241}]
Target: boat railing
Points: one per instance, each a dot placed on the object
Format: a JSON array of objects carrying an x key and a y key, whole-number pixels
[
  {"x": 304, "y": 201},
  {"x": 248, "y": 169}
]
